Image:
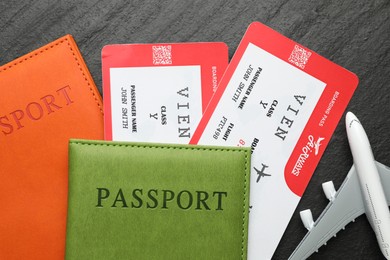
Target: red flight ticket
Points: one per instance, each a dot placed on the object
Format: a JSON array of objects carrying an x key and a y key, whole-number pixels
[{"x": 284, "y": 101}]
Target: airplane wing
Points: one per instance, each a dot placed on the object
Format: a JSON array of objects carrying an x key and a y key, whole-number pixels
[
  {"x": 384, "y": 173},
  {"x": 345, "y": 205}
]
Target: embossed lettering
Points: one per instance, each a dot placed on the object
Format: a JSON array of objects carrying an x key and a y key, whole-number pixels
[
  {"x": 202, "y": 198},
  {"x": 137, "y": 198},
  {"x": 101, "y": 196},
  {"x": 153, "y": 199},
  {"x": 167, "y": 198},
  {"x": 35, "y": 110},
  {"x": 179, "y": 199},
  {"x": 164, "y": 199},
  {"x": 121, "y": 198}
]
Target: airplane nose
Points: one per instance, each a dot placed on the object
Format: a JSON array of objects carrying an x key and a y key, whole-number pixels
[{"x": 349, "y": 118}]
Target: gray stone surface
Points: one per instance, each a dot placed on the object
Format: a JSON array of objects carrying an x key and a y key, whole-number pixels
[{"x": 352, "y": 33}]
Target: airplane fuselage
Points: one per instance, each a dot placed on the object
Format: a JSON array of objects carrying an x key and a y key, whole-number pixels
[{"x": 375, "y": 203}]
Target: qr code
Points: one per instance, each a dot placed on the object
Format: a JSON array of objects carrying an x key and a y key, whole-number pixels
[
  {"x": 299, "y": 56},
  {"x": 162, "y": 55}
]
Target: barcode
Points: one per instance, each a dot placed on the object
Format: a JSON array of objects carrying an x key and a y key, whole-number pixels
[
  {"x": 162, "y": 55},
  {"x": 299, "y": 56}
]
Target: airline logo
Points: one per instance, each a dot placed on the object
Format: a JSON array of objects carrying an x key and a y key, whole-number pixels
[
  {"x": 317, "y": 145},
  {"x": 305, "y": 153}
]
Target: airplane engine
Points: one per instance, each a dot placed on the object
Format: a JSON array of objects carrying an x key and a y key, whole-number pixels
[
  {"x": 307, "y": 219},
  {"x": 329, "y": 190}
]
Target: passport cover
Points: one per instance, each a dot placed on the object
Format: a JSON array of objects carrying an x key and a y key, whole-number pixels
[
  {"x": 47, "y": 97},
  {"x": 154, "y": 201}
]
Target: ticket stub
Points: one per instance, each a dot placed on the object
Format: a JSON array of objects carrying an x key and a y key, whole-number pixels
[
  {"x": 284, "y": 101},
  {"x": 158, "y": 92}
]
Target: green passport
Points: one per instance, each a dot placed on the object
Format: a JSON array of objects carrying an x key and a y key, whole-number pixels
[{"x": 155, "y": 201}]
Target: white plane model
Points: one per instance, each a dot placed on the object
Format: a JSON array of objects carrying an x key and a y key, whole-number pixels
[{"x": 366, "y": 189}]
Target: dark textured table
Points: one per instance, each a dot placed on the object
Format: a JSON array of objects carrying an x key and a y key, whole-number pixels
[{"x": 352, "y": 33}]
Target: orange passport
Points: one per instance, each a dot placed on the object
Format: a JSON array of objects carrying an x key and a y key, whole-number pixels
[{"x": 46, "y": 97}]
